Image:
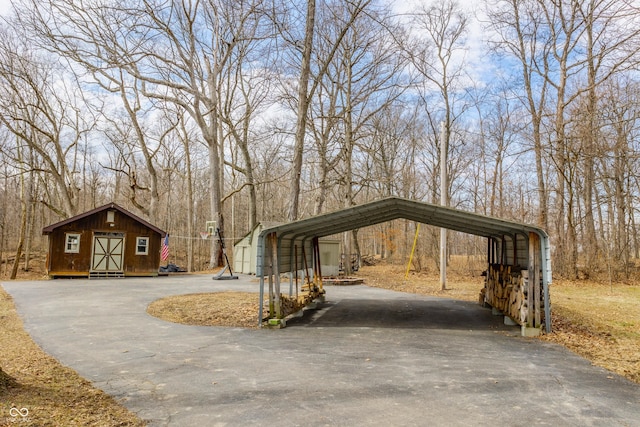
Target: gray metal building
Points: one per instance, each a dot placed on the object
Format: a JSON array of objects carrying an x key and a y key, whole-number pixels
[{"x": 509, "y": 244}]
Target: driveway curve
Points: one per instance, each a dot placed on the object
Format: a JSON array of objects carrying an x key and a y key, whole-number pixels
[{"x": 366, "y": 357}]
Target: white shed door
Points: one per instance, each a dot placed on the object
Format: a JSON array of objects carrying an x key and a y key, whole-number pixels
[{"x": 108, "y": 253}]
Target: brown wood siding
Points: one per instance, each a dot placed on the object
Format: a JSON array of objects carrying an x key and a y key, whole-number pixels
[{"x": 61, "y": 263}]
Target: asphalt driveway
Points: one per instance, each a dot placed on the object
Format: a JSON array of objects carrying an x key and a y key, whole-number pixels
[{"x": 367, "y": 357}]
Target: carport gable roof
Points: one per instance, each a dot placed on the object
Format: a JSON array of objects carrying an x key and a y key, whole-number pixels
[
  {"x": 389, "y": 209},
  {"x": 393, "y": 208}
]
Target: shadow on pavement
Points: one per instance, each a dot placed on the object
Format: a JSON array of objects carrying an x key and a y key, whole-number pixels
[{"x": 407, "y": 314}]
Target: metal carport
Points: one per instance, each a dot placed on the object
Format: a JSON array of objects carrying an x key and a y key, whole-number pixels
[{"x": 280, "y": 254}]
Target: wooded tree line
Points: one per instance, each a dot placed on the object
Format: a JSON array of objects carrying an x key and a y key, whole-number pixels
[{"x": 243, "y": 111}]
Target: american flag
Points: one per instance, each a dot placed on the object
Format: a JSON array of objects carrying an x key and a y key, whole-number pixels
[{"x": 164, "y": 253}]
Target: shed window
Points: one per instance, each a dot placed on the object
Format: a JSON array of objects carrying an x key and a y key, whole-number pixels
[
  {"x": 72, "y": 243},
  {"x": 142, "y": 246}
]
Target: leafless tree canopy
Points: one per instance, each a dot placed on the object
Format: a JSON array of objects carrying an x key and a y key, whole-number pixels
[{"x": 267, "y": 110}]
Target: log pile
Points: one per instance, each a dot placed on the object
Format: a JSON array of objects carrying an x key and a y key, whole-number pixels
[
  {"x": 518, "y": 303},
  {"x": 290, "y": 305},
  {"x": 506, "y": 290},
  {"x": 370, "y": 260},
  {"x": 307, "y": 294}
]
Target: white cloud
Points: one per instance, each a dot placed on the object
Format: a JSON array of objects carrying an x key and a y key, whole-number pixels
[{"x": 5, "y": 7}]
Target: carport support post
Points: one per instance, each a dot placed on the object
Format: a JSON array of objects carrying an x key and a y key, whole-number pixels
[
  {"x": 533, "y": 296},
  {"x": 317, "y": 270},
  {"x": 275, "y": 270},
  {"x": 444, "y": 201},
  {"x": 536, "y": 284},
  {"x": 271, "y": 307},
  {"x": 274, "y": 288}
]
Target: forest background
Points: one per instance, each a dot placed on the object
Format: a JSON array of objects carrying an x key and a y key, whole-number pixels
[{"x": 247, "y": 111}]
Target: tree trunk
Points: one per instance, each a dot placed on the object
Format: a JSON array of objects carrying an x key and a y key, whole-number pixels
[
  {"x": 190, "y": 203},
  {"x": 23, "y": 223},
  {"x": 589, "y": 144},
  {"x": 303, "y": 108},
  {"x": 216, "y": 204},
  {"x": 30, "y": 220}
]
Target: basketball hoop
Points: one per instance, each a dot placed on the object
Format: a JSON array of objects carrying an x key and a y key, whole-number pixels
[{"x": 204, "y": 235}]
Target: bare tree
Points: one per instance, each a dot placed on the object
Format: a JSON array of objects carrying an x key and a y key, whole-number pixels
[
  {"x": 248, "y": 89},
  {"x": 619, "y": 118},
  {"x": 44, "y": 112},
  {"x": 519, "y": 34},
  {"x": 308, "y": 87},
  {"x": 173, "y": 52},
  {"x": 132, "y": 137},
  {"x": 303, "y": 107},
  {"x": 438, "y": 58},
  {"x": 361, "y": 83},
  {"x": 610, "y": 47},
  {"x": 501, "y": 127},
  {"x": 184, "y": 134}
]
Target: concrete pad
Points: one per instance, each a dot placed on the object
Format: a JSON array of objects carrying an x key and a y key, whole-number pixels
[
  {"x": 509, "y": 321},
  {"x": 530, "y": 332},
  {"x": 365, "y": 357}
]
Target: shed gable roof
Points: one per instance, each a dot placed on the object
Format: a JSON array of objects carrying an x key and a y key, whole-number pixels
[{"x": 50, "y": 228}]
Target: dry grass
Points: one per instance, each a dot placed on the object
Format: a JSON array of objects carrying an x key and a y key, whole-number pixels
[
  {"x": 238, "y": 309},
  {"x": 599, "y": 322},
  {"x": 52, "y": 394},
  {"x": 459, "y": 286}
]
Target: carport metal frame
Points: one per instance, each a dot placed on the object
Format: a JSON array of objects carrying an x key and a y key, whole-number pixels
[{"x": 286, "y": 236}]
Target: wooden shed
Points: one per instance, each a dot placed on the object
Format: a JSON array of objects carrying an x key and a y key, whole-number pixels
[{"x": 107, "y": 241}]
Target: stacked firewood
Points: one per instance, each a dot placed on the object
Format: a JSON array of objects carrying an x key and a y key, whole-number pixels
[
  {"x": 307, "y": 294},
  {"x": 506, "y": 290},
  {"x": 518, "y": 305},
  {"x": 290, "y": 305}
]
